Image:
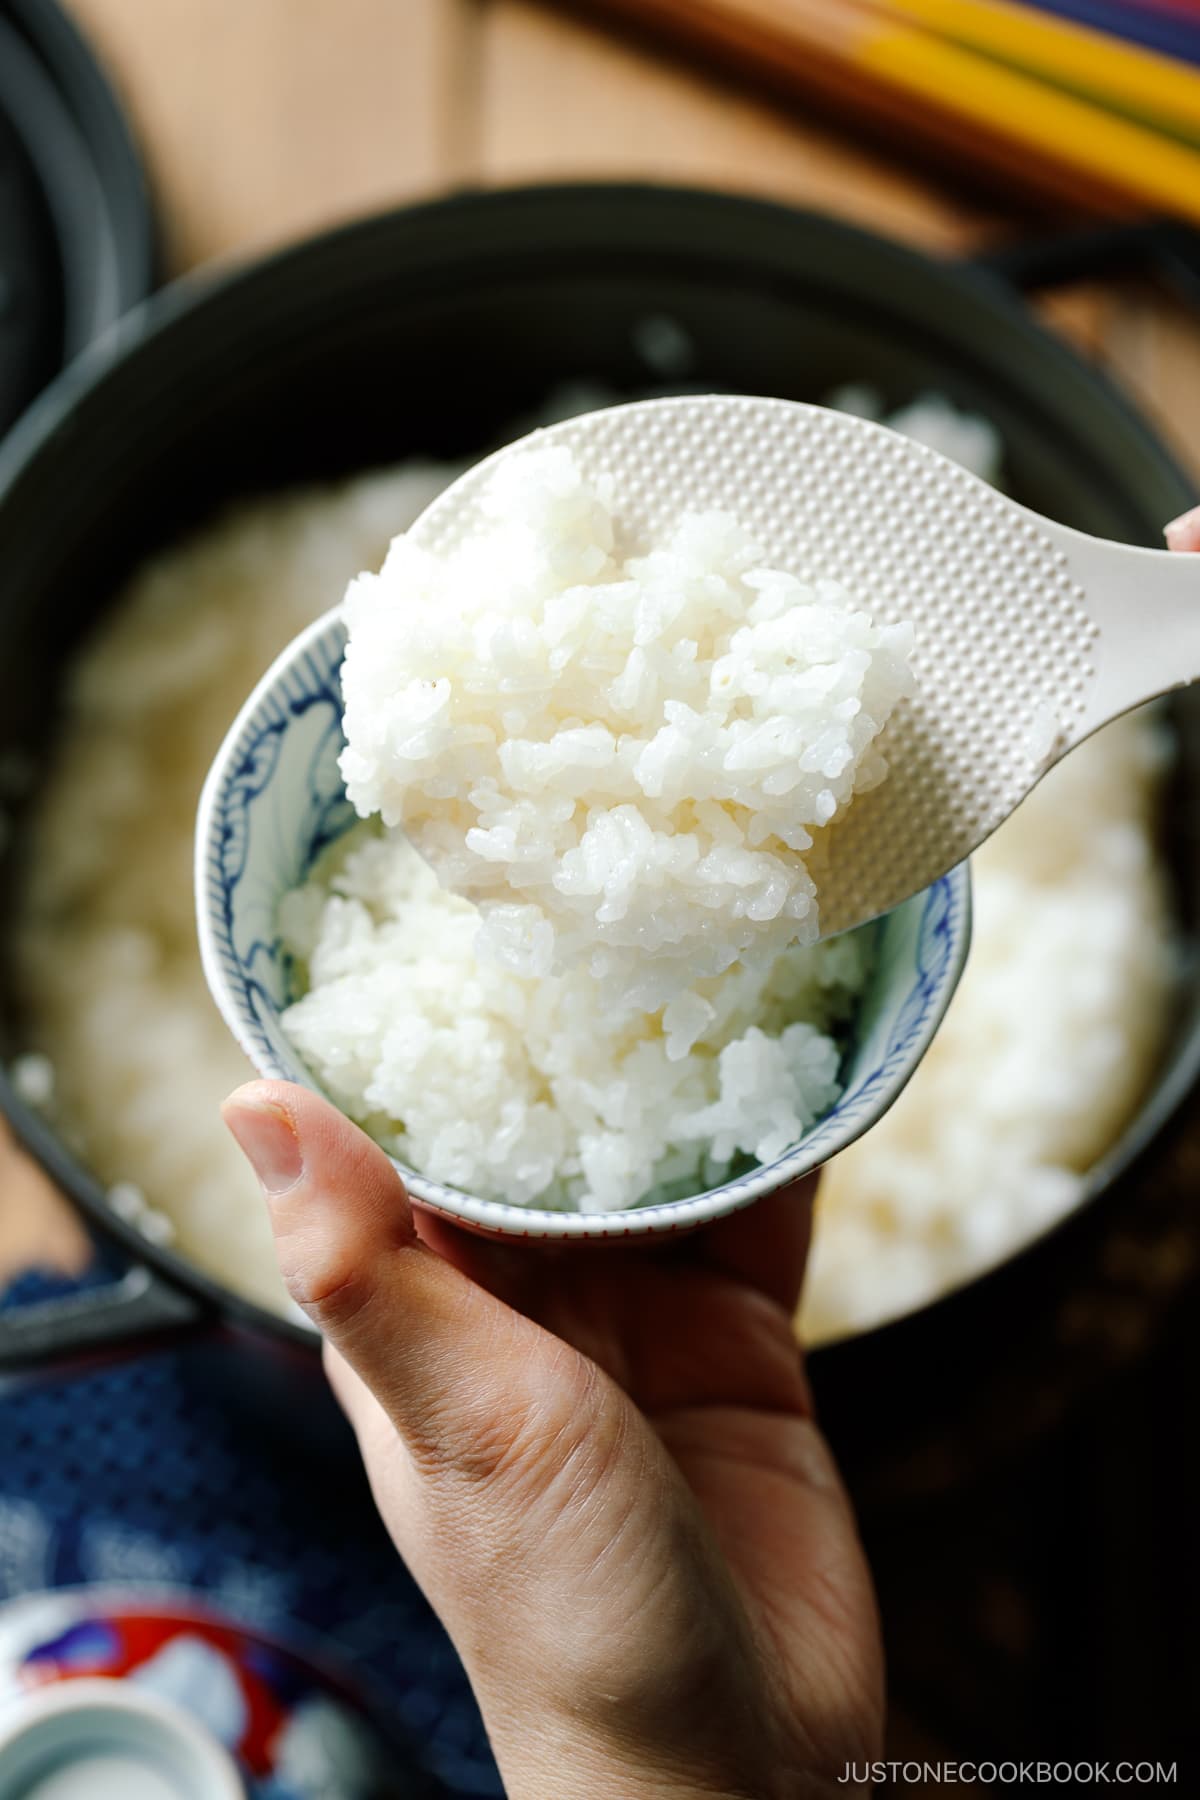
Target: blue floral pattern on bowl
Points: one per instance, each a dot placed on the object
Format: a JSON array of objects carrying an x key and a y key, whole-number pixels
[{"x": 274, "y": 799}]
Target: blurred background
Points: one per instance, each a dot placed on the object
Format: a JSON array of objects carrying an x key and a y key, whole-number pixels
[{"x": 1026, "y": 1477}]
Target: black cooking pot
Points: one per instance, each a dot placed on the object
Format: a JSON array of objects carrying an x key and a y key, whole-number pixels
[{"x": 429, "y": 331}]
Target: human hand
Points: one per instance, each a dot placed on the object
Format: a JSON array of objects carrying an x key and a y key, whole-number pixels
[{"x": 601, "y": 1466}]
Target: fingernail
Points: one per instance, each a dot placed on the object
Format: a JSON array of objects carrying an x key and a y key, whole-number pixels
[
  {"x": 1183, "y": 533},
  {"x": 269, "y": 1141}
]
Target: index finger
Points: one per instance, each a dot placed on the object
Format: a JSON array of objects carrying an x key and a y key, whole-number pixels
[{"x": 766, "y": 1245}]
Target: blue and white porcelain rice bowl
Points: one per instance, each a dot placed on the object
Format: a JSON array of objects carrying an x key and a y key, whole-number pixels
[{"x": 274, "y": 800}]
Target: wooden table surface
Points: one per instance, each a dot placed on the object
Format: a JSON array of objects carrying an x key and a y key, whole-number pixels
[{"x": 263, "y": 120}]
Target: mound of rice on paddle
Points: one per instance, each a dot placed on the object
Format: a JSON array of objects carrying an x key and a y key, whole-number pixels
[{"x": 620, "y": 761}]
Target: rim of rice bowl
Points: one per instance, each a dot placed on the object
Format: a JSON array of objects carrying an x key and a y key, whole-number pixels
[{"x": 312, "y": 657}]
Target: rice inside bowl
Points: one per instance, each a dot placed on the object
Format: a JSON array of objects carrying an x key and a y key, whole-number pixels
[
  {"x": 532, "y": 1089},
  {"x": 622, "y": 760}
]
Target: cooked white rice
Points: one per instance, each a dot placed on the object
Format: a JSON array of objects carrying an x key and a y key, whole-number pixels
[
  {"x": 531, "y": 1089},
  {"x": 117, "y": 1002},
  {"x": 620, "y": 762},
  {"x": 621, "y": 765}
]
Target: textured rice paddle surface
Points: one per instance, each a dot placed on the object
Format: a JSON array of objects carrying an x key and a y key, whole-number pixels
[{"x": 621, "y": 759}]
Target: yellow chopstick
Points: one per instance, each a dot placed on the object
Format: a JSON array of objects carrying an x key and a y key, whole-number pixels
[
  {"x": 1134, "y": 80},
  {"x": 1039, "y": 118}
]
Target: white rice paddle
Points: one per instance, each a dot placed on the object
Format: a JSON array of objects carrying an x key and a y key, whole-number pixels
[{"x": 1028, "y": 635}]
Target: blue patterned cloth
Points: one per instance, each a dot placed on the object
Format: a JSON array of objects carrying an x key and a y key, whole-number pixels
[{"x": 184, "y": 1468}]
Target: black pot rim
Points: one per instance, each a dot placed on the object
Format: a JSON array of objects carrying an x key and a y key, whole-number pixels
[
  {"x": 108, "y": 249},
  {"x": 191, "y": 293}
]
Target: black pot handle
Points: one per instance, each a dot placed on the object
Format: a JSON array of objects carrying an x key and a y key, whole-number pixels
[
  {"x": 1157, "y": 246},
  {"x": 127, "y": 1315}
]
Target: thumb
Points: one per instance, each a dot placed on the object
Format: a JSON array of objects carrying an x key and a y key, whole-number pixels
[{"x": 472, "y": 1387}]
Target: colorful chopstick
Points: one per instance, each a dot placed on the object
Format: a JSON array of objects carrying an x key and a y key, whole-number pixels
[
  {"x": 1138, "y": 83},
  {"x": 902, "y": 75}
]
